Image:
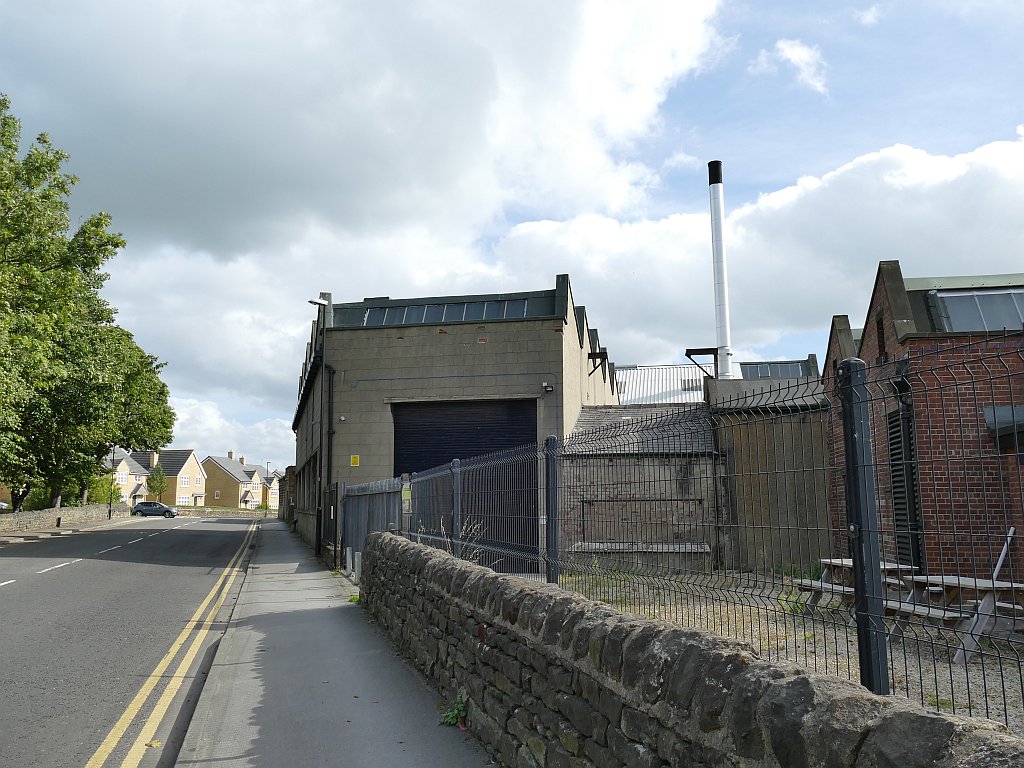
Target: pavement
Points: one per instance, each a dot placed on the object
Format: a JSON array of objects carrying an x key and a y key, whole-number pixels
[{"x": 302, "y": 676}]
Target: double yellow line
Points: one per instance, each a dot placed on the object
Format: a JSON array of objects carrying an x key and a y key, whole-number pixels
[{"x": 216, "y": 596}]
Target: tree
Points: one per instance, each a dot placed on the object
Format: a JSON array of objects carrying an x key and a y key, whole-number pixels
[
  {"x": 72, "y": 384},
  {"x": 156, "y": 482}
]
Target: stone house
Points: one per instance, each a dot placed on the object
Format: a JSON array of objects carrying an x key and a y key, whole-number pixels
[
  {"x": 186, "y": 486},
  {"x": 235, "y": 484}
]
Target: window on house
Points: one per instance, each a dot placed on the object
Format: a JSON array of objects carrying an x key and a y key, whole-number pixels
[
  {"x": 374, "y": 316},
  {"x": 184, "y": 481},
  {"x": 199, "y": 479},
  {"x": 216, "y": 494},
  {"x": 184, "y": 501},
  {"x": 475, "y": 311},
  {"x": 433, "y": 313},
  {"x": 122, "y": 477},
  {"x": 981, "y": 310},
  {"x": 414, "y": 314}
]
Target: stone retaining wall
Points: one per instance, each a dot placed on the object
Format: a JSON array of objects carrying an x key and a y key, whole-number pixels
[
  {"x": 554, "y": 680},
  {"x": 47, "y": 518},
  {"x": 42, "y": 519}
]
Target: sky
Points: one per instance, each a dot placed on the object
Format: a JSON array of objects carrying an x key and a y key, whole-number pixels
[{"x": 255, "y": 154}]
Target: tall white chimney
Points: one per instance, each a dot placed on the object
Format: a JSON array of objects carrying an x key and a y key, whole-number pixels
[{"x": 723, "y": 334}]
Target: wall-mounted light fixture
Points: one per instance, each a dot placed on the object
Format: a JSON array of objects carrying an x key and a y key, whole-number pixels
[{"x": 548, "y": 387}]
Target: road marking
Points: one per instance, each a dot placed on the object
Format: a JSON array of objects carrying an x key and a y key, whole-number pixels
[
  {"x": 138, "y": 750},
  {"x": 136, "y": 704},
  {"x": 137, "y": 540},
  {"x": 5, "y": 583},
  {"x": 55, "y": 567},
  {"x": 154, "y": 534},
  {"x": 110, "y": 549}
]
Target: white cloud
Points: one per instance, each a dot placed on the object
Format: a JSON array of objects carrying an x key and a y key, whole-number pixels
[
  {"x": 869, "y": 17},
  {"x": 806, "y": 60},
  {"x": 796, "y": 256},
  {"x": 681, "y": 160},
  {"x": 202, "y": 426},
  {"x": 257, "y": 155}
]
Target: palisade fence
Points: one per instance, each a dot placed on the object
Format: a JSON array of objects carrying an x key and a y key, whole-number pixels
[{"x": 865, "y": 526}]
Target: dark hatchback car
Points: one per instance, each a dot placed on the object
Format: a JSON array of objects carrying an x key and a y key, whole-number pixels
[{"x": 146, "y": 508}]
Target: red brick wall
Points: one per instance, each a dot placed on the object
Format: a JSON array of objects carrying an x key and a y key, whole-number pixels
[{"x": 969, "y": 491}]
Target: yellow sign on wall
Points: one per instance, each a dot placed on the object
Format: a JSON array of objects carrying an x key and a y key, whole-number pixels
[{"x": 355, "y": 460}]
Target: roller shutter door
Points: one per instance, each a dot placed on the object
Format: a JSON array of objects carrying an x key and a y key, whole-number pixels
[
  {"x": 430, "y": 434},
  {"x": 498, "y": 501}
]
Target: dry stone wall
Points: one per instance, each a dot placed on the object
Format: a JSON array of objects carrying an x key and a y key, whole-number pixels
[
  {"x": 47, "y": 518},
  {"x": 554, "y": 680}
]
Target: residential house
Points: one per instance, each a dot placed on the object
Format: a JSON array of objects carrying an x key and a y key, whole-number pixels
[
  {"x": 129, "y": 477},
  {"x": 233, "y": 483},
  {"x": 186, "y": 480},
  {"x": 945, "y": 393}
]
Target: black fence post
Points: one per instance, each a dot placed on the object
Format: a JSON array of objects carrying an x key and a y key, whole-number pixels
[
  {"x": 551, "y": 507},
  {"x": 861, "y": 517},
  {"x": 457, "y": 508}
]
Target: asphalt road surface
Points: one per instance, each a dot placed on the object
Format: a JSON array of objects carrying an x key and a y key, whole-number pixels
[{"x": 105, "y": 636}]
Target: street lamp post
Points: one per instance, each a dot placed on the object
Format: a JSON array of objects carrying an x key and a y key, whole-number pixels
[{"x": 110, "y": 496}]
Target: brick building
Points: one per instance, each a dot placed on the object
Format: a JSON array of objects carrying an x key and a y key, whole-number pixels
[{"x": 945, "y": 363}]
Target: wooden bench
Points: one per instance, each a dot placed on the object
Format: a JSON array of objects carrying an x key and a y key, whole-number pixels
[
  {"x": 819, "y": 589},
  {"x": 905, "y": 611}
]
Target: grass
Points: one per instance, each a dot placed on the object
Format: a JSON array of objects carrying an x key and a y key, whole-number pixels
[{"x": 455, "y": 713}]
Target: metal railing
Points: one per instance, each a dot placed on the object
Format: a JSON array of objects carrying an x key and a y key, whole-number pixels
[{"x": 863, "y": 526}]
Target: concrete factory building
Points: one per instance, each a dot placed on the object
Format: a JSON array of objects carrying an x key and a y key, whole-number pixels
[{"x": 393, "y": 386}]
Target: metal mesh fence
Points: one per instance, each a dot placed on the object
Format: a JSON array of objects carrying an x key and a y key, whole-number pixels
[{"x": 864, "y": 525}]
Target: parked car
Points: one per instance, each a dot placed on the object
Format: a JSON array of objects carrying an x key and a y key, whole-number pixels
[{"x": 146, "y": 508}]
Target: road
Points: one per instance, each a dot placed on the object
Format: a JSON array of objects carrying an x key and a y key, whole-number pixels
[{"x": 105, "y": 636}]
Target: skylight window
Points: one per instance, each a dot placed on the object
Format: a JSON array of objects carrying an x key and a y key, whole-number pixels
[
  {"x": 455, "y": 312},
  {"x": 984, "y": 310}
]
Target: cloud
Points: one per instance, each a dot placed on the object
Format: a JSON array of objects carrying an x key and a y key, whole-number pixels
[
  {"x": 796, "y": 256},
  {"x": 203, "y": 427},
  {"x": 681, "y": 160},
  {"x": 255, "y": 155},
  {"x": 806, "y": 60},
  {"x": 869, "y": 17}
]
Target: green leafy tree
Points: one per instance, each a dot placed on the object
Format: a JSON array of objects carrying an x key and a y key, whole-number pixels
[
  {"x": 156, "y": 482},
  {"x": 72, "y": 384}
]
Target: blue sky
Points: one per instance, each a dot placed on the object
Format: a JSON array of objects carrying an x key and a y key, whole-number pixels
[{"x": 255, "y": 155}]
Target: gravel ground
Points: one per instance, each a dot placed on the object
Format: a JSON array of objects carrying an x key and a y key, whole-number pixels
[{"x": 779, "y": 626}]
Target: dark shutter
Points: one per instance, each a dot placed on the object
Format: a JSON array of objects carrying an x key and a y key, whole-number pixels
[
  {"x": 499, "y": 498},
  {"x": 902, "y": 470},
  {"x": 431, "y": 434}
]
